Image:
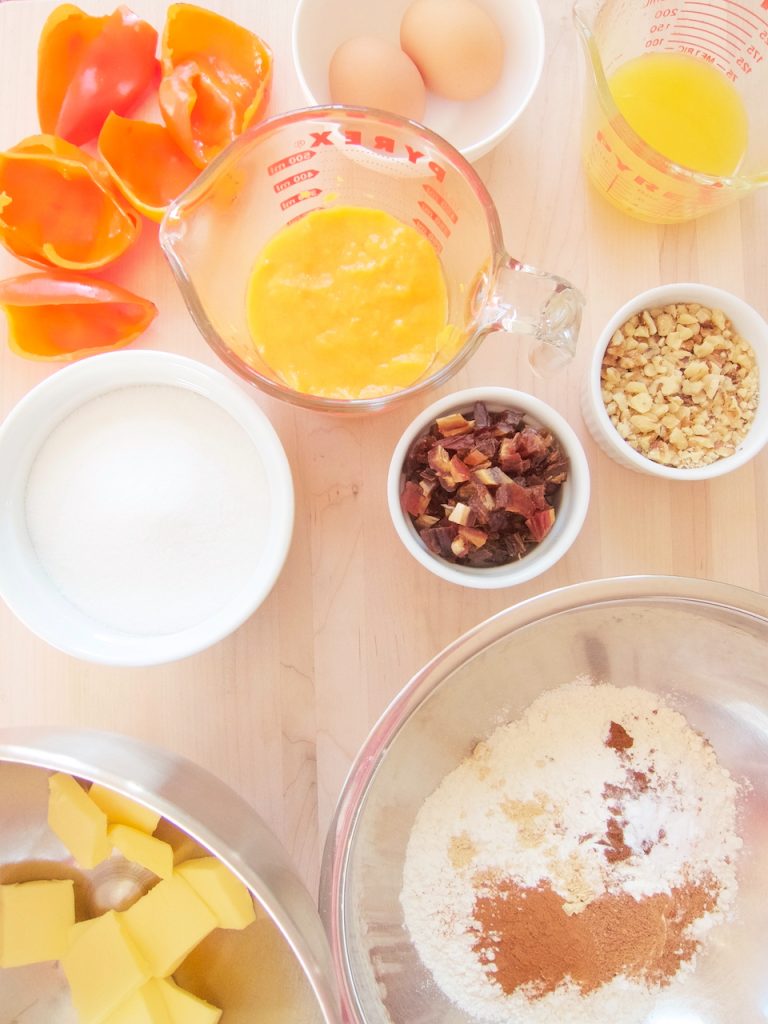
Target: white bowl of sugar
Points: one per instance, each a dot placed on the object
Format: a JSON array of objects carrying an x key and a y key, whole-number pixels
[{"x": 146, "y": 508}]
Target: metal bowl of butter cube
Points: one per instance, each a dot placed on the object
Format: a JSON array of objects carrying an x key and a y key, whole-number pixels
[{"x": 137, "y": 888}]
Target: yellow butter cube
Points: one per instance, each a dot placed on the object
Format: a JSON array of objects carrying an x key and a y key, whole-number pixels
[
  {"x": 35, "y": 921},
  {"x": 153, "y": 854},
  {"x": 184, "y": 1007},
  {"x": 145, "y": 1006},
  {"x": 77, "y": 927},
  {"x": 167, "y": 923},
  {"x": 121, "y": 810},
  {"x": 103, "y": 966},
  {"x": 77, "y": 821},
  {"x": 215, "y": 884}
]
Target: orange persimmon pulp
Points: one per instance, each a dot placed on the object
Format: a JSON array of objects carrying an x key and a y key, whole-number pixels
[
  {"x": 145, "y": 163},
  {"x": 216, "y": 79},
  {"x": 63, "y": 316},
  {"x": 58, "y": 207},
  {"x": 88, "y": 66},
  {"x": 348, "y": 302}
]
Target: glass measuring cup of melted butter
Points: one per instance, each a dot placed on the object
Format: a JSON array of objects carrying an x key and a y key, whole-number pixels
[
  {"x": 675, "y": 117},
  {"x": 253, "y": 241}
]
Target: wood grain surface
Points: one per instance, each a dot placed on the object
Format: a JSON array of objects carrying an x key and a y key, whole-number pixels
[{"x": 280, "y": 709}]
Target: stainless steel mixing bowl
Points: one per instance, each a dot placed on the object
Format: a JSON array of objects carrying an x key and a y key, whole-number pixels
[
  {"x": 276, "y": 971},
  {"x": 705, "y": 643}
]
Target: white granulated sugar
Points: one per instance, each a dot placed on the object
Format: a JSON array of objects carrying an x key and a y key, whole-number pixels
[
  {"x": 146, "y": 508},
  {"x": 530, "y": 805}
]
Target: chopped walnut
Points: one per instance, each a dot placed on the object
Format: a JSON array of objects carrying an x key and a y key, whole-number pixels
[
  {"x": 680, "y": 385},
  {"x": 482, "y": 487}
]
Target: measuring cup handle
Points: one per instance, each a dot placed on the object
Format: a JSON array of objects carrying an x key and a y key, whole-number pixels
[{"x": 554, "y": 324}]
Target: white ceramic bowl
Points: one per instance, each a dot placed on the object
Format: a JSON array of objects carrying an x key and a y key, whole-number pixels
[
  {"x": 473, "y": 127},
  {"x": 746, "y": 321},
  {"x": 27, "y": 587},
  {"x": 572, "y": 503}
]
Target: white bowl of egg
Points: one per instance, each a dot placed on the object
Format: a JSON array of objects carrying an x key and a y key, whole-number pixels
[{"x": 467, "y": 69}]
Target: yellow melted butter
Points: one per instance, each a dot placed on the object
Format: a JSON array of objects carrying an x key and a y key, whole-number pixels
[
  {"x": 684, "y": 108},
  {"x": 348, "y": 302}
]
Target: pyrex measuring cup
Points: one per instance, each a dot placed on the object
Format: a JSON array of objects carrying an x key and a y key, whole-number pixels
[
  {"x": 325, "y": 156},
  {"x": 731, "y": 35}
]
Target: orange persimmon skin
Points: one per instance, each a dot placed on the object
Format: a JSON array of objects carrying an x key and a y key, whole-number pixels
[
  {"x": 89, "y": 66},
  {"x": 66, "y": 34},
  {"x": 217, "y": 78},
  {"x": 58, "y": 207},
  {"x": 61, "y": 317},
  {"x": 145, "y": 163}
]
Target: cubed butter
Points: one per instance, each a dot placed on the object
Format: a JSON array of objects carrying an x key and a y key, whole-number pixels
[
  {"x": 152, "y": 853},
  {"x": 145, "y": 1006},
  {"x": 121, "y": 810},
  {"x": 35, "y": 921},
  {"x": 215, "y": 884},
  {"x": 184, "y": 1007},
  {"x": 103, "y": 966},
  {"x": 77, "y": 927},
  {"x": 77, "y": 821},
  {"x": 167, "y": 923}
]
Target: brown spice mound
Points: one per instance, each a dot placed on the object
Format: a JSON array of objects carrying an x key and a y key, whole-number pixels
[
  {"x": 526, "y": 938},
  {"x": 615, "y": 847},
  {"x": 618, "y": 737}
]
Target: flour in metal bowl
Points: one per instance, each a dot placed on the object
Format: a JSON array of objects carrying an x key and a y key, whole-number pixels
[{"x": 574, "y": 865}]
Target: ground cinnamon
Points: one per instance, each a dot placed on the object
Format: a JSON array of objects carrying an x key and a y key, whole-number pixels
[{"x": 527, "y": 940}]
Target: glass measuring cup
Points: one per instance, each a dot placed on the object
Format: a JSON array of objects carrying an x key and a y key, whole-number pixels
[
  {"x": 732, "y": 36},
  {"x": 325, "y": 156}
]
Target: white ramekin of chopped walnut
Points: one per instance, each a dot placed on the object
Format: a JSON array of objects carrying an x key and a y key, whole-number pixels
[
  {"x": 488, "y": 487},
  {"x": 674, "y": 383}
]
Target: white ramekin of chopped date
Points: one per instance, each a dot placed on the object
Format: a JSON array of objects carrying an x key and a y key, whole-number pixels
[
  {"x": 488, "y": 487},
  {"x": 674, "y": 384}
]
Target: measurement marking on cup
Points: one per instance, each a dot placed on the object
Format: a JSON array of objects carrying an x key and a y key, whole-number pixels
[
  {"x": 289, "y": 161},
  {"x": 732, "y": 10},
  {"x": 706, "y": 12},
  {"x": 309, "y": 193},
  {"x": 435, "y": 218},
  {"x": 441, "y": 202},
  {"x": 281, "y": 186},
  {"x": 728, "y": 7},
  {"x": 626, "y": 183},
  {"x": 747, "y": 10},
  {"x": 706, "y": 22},
  {"x": 701, "y": 46},
  {"x": 437, "y": 245},
  {"x": 693, "y": 35}
]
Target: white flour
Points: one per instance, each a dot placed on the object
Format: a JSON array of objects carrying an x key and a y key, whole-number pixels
[
  {"x": 146, "y": 506},
  {"x": 530, "y": 804}
]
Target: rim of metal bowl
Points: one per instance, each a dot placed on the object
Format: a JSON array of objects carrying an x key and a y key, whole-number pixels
[{"x": 332, "y": 898}]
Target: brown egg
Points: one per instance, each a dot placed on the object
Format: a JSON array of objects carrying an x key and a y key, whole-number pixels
[
  {"x": 456, "y": 46},
  {"x": 366, "y": 71}
]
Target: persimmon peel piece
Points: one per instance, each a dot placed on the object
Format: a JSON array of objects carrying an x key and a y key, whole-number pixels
[
  {"x": 145, "y": 163},
  {"x": 88, "y": 66},
  {"x": 63, "y": 316},
  {"x": 58, "y": 206},
  {"x": 217, "y": 78}
]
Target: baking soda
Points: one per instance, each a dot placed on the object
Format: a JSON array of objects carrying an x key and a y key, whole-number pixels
[
  {"x": 600, "y": 794},
  {"x": 146, "y": 507}
]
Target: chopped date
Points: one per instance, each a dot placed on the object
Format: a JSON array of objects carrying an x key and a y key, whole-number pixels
[{"x": 482, "y": 487}]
